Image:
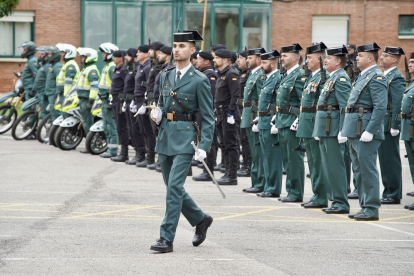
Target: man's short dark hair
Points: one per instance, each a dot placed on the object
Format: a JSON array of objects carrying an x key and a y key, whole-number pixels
[
  {"x": 343, "y": 59},
  {"x": 375, "y": 55}
]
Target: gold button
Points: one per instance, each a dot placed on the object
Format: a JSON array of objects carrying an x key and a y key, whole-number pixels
[
  {"x": 265, "y": 92},
  {"x": 173, "y": 103},
  {"x": 303, "y": 96},
  {"x": 188, "y": 127},
  {"x": 259, "y": 95},
  {"x": 164, "y": 94},
  {"x": 348, "y": 101},
  {"x": 278, "y": 100},
  {"x": 258, "y": 102},
  {"x": 377, "y": 130},
  {"x": 185, "y": 98},
  {"x": 278, "y": 93}
]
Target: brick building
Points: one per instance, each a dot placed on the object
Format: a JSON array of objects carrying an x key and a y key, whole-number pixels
[{"x": 236, "y": 23}]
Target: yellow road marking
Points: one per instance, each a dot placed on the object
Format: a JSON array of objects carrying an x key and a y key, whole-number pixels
[
  {"x": 109, "y": 212},
  {"x": 249, "y": 213},
  {"x": 13, "y": 205},
  {"x": 402, "y": 217}
]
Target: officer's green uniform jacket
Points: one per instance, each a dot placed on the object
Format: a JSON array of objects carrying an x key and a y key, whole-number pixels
[
  {"x": 291, "y": 84},
  {"x": 310, "y": 95},
  {"x": 29, "y": 73},
  {"x": 336, "y": 92},
  {"x": 395, "y": 91},
  {"x": 54, "y": 68},
  {"x": 268, "y": 96},
  {"x": 373, "y": 86},
  {"x": 40, "y": 81},
  {"x": 407, "y": 107},
  {"x": 254, "y": 85},
  {"x": 193, "y": 90}
]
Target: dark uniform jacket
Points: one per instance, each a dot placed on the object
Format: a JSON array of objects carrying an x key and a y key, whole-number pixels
[
  {"x": 129, "y": 85},
  {"x": 212, "y": 77},
  {"x": 227, "y": 90},
  {"x": 396, "y": 88},
  {"x": 141, "y": 81},
  {"x": 118, "y": 81},
  {"x": 153, "y": 73},
  {"x": 407, "y": 107}
]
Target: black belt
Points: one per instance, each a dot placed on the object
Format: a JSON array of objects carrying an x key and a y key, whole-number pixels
[
  {"x": 249, "y": 103},
  {"x": 263, "y": 113},
  {"x": 83, "y": 97},
  {"x": 181, "y": 117},
  {"x": 405, "y": 115},
  {"x": 307, "y": 109},
  {"x": 129, "y": 98},
  {"x": 389, "y": 107},
  {"x": 356, "y": 110},
  {"x": 325, "y": 107},
  {"x": 117, "y": 96},
  {"x": 103, "y": 96},
  {"x": 139, "y": 99}
]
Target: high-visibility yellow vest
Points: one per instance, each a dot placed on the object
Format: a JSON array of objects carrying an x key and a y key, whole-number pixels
[
  {"x": 83, "y": 81},
  {"x": 62, "y": 80},
  {"x": 105, "y": 81}
]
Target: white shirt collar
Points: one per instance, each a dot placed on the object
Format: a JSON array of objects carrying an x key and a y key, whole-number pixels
[
  {"x": 333, "y": 72},
  {"x": 255, "y": 69},
  {"x": 271, "y": 73},
  {"x": 183, "y": 71},
  {"x": 292, "y": 69},
  {"x": 389, "y": 70},
  {"x": 367, "y": 69},
  {"x": 314, "y": 73}
]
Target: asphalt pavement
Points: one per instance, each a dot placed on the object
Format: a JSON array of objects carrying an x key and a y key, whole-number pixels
[{"x": 67, "y": 213}]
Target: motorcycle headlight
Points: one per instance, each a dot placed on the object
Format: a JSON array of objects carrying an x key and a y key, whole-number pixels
[{"x": 67, "y": 102}]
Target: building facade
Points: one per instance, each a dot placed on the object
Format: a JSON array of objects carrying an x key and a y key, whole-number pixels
[{"x": 235, "y": 23}]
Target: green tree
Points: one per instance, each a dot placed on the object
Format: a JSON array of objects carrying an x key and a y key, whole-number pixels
[{"x": 7, "y": 7}]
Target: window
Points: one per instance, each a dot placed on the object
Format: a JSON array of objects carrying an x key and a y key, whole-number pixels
[
  {"x": 158, "y": 20},
  {"x": 406, "y": 25},
  {"x": 14, "y": 30},
  {"x": 227, "y": 27},
  {"x": 128, "y": 27},
  {"x": 98, "y": 24},
  {"x": 194, "y": 20},
  {"x": 331, "y": 30},
  {"x": 255, "y": 27}
]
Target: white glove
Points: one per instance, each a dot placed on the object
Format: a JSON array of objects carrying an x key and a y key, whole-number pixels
[
  {"x": 133, "y": 107},
  {"x": 145, "y": 95},
  {"x": 156, "y": 115},
  {"x": 294, "y": 126},
  {"x": 255, "y": 128},
  {"x": 110, "y": 101},
  {"x": 366, "y": 137},
  {"x": 200, "y": 155},
  {"x": 394, "y": 132},
  {"x": 341, "y": 139},
  {"x": 316, "y": 138},
  {"x": 230, "y": 119},
  {"x": 154, "y": 104},
  {"x": 256, "y": 120},
  {"x": 273, "y": 120},
  {"x": 142, "y": 110},
  {"x": 123, "y": 107},
  {"x": 274, "y": 130}
]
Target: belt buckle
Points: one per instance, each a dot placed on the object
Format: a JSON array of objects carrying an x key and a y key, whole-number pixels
[
  {"x": 346, "y": 109},
  {"x": 172, "y": 94},
  {"x": 170, "y": 117},
  {"x": 277, "y": 109},
  {"x": 300, "y": 109},
  {"x": 243, "y": 103}
]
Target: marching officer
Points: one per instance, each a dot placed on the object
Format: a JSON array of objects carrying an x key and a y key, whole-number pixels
[
  {"x": 117, "y": 92},
  {"x": 271, "y": 155},
  {"x": 288, "y": 100},
  {"x": 251, "y": 92},
  {"x": 30, "y": 68},
  {"x": 328, "y": 124},
  {"x": 87, "y": 86},
  {"x": 40, "y": 80},
  {"x": 69, "y": 74},
  {"x": 364, "y": 128},
  {"x": 144, "y": 123},
  {"x": 389, "y": 150},
  {"x": 54, "y": 69},
  {"x": 407, "y": 123},
  {"x": 184, "y": 93},
  {"x": 244, "y": 73},
  {"x": 315, "y": 55},
  {"x": 227, "y": 94},
  {"x": 205, "y": 66},
  {"x": 105, "y": 84}
]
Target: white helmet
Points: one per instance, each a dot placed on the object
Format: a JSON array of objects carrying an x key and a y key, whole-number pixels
[
  {"x": 69, "y": 49},
  {"x": 108, "y": 48}
]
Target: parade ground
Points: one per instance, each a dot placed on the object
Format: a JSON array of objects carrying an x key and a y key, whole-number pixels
[{"x": 67, "y": 213}]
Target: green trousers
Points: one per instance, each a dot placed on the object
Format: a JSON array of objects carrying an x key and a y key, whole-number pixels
[
  {"x": 334, "y": 171},
  {"x": 364, "y": 161},
  {"x": 348, "y": 165},
  {"x": 292, "y": 162},
  {"x": 174, "y": 171},
  {"x": 109, "y": 128},
  {"x": 87, "y": 118},
  {"x": 313, "y": 153},
  {"x": 409, "y": 147},
  {"x": 54, "y": 114},
  {"x": 43, "y": 105},
  {"x": 271, "y": 158},
  {"x": 390, "y": 164},
  {"x": 257, "y": 171}
]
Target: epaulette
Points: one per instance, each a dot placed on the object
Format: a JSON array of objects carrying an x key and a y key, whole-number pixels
[{"x": 199, "y": 74}]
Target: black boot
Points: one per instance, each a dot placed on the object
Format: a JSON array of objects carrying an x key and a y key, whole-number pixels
[
  {"x": 194, "y": 162},
  {"x": 245, "y": 170},
  {"x": 123, "y": 156},
  {"x": 204, "y": 176},
  {"x": 228, "y": 179},
  {"x": 190, "y": 172},
  {"x": 142, "y": 161},
  {"x": 158, "y": 168},
  {"x": 217, "y": 168},
  {"x": 153, "y": 166},
  {"x": 107, "y": 155},
  {"x": 150, "y": 158},
  {"x": 134, "y": 160}
]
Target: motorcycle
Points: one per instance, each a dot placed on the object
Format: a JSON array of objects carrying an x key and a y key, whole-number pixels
[
  {"x": 8, "y": 112},
  {"x": 43, "y": 128},
  {"x": 96, "y": 139},
  {"x": 26, "y": 123}
]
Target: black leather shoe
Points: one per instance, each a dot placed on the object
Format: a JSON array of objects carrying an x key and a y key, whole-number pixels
[
  {"x": 390, "y": 201},
  {"x": 158, "y": 168},
  {"x": 244, "y": 190},
  {"x": 351, "y": 216},
  {"x": 308, "y": 175},
  {"x": 314, "y": 204},
  {"x": 267, "y": 194},
  {"x": 227, "y": 181},
  {"x": 243, "y": 172},
  {"x": 410, "y": 207},
  {"x": 194, "y": 162},
  {"x": 353, "y": 195},
  {"x": 204, "y": 176},
  {"x": 84, "y": 151},
  {"x": 253, "y": 190},
  {"x": 364, "y": 217},
  {"x": 133, "y": 161},
  {"x": 142, "y": 164},
  {"x": 335, "y": 210},
  {"x": 119, "y": 158},
  {"x": 222, "y": 170},
  {"x": 107, "y": 155},
  {"x": 303, "y": 204},
  {"x": 217, "y": 168},
  {"x": 201, "y": 166},
  {"x": 410, "y": 194},
  {"x": 162, "y": 245},
  {"x": 201, "y": 230},
  {"x": 153, "y": 166},
  {"x": 290, "y": 199}
]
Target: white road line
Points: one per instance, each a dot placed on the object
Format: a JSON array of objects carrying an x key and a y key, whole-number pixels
[{"x": 389, "y": 228}]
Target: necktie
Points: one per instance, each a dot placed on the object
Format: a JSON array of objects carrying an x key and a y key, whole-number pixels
[{"x": 178, "y": 77}]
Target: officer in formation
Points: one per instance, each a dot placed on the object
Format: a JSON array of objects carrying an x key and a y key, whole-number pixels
[
  {"x": 40, "y": 80},
  {"x": 50, "y": 88}
]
